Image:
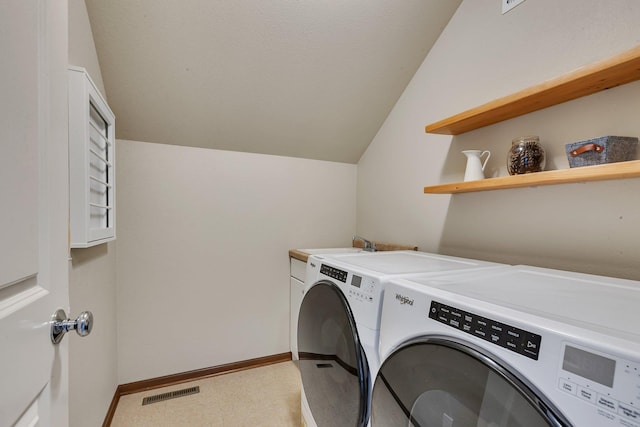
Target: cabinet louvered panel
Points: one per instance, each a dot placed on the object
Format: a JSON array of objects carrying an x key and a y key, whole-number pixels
[{"x": 91, "y": 163}]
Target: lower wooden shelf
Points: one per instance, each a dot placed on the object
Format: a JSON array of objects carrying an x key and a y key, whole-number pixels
[{"x": 621, "y": 170}]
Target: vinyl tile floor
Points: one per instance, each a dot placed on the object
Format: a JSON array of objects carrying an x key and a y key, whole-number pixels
[{"x": 267, "y": 396}]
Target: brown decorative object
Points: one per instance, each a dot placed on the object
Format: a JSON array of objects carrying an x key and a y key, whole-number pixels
[
  {"x": 605, "y": 149},
  {"x": 525, "y": 156}
]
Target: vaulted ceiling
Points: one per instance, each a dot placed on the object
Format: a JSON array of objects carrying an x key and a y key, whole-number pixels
[{"x": 301, "y": 78}]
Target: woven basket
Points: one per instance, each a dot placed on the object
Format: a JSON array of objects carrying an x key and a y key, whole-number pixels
[{"x": 606, "y": 149}]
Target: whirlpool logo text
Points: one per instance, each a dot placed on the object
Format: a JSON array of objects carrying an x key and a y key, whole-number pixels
[{"x": 404, "y": 300}]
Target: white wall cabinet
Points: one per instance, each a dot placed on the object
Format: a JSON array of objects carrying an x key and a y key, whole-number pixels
[{"x": 92, "y": 184}]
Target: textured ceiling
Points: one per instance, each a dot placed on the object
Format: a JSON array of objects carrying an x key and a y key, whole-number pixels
[{"x": 300, "y": 78}]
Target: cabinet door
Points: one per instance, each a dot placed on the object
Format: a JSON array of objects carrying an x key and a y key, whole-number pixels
[
  {"x": 91, "y": 163},
  {"x": 296, "y": 294}
]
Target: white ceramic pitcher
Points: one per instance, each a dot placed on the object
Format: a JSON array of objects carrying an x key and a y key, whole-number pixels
[{"x": 475, "y": 166}]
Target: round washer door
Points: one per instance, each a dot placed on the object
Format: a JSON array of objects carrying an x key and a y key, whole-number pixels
[
  {"x": 333, "y": 365},
  {"x": 441, "y": 382}
]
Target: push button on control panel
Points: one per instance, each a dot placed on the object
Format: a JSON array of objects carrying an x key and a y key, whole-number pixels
[
  {"x": 629, "y": 411},
  {"x": 568, "y": 386},
  {"x": 587, "y": 394},
  {"x": 506, "y": 336}
]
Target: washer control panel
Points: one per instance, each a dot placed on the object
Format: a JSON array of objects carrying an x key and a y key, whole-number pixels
[{"x": 515, "y": 339}]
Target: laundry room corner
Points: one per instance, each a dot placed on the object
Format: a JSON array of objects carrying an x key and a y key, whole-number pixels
[
  {"x": 545, "y": 226},
  {"x": 202, "y": 251}
]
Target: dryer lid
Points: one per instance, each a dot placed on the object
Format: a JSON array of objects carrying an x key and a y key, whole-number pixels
[
  {"x": 602, "y": 304},
  {"x": 407, "y": 262}
]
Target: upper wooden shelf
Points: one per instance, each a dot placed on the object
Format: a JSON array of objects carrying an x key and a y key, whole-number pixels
[
  {"x": 615, "y": 71},
  {"x": 604, "y": 172}
]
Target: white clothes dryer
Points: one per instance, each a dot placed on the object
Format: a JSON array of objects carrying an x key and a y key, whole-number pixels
[
  {"x": 338, "y": 328},
  {"x": 522, "y": 346},
  {"x": 296, "y": 289}
]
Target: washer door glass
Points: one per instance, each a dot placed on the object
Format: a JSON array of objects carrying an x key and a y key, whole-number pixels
[
  {"x": 333, "y": 366},
  {"x": 445, "y": 384}
]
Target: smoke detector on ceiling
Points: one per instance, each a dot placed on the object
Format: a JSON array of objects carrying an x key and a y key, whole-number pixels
[{"x": 507, "y": 5}]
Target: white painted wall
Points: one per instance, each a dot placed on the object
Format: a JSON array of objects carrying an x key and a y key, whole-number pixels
[
  {"x": 483, "y": 55},
  {"x": 82, "y": 49},
  {"x": 203, "y": 240},
  {"x": 93, "y": 376}
]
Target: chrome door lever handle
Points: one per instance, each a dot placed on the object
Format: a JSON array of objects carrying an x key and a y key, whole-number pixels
[{"x": 60, "y": 325}]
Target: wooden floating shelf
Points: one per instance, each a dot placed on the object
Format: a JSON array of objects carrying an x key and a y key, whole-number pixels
[
  {"x": 615, "y": 71},
  {"x": 621, "y": 170}
]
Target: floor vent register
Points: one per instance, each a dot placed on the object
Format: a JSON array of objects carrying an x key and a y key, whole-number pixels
[{"x": 170, "y": 395}]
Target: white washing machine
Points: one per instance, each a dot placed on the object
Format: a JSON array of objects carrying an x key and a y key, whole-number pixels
[
  {"x": 338, "y": 327},
  {"x": 522, "y": 346}
]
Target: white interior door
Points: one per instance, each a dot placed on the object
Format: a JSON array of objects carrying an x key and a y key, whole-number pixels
[{"x": 33, "y": 211}]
